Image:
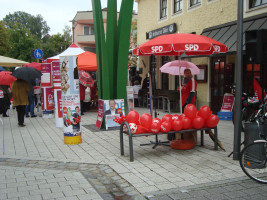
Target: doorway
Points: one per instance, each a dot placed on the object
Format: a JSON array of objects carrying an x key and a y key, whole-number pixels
[{"x": 222, "y": 77}]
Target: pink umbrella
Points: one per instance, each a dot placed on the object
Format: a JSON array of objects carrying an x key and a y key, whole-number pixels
[{"x": 177, "y": 67}]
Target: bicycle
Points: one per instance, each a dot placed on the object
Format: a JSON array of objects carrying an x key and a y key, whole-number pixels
[{"x": 253, "y": 157}]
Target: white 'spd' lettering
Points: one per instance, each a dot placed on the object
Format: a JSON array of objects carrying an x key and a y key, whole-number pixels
[
  {"x": 156, "y": 49},
  {"x": 191, "y": 47}
]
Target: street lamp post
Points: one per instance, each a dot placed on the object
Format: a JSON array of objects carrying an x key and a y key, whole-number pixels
[{"x": 73, "y": 27}]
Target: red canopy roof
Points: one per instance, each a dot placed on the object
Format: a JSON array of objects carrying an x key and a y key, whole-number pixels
[{"x": 87, "y": 61}]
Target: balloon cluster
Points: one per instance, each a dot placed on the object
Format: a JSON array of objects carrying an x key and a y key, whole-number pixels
[{"x": 190, "y": 119}]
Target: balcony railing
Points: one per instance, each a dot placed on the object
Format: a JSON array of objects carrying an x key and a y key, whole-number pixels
[{"x": 85, "y": 38}]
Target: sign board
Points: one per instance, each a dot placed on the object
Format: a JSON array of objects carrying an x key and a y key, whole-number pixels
[
  {"x": 130, "y": 98},
  {"x": 100, "y": 113},
  {"x": 46, "y": 78},
  {"x": 38, "y": 53},
  {"x": 228, "y": 103},
  {"x": 171, "y": 28}
]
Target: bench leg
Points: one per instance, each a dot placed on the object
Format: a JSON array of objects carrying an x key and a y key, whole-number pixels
[
  {"x": 131, "y": 147},
  {"x": 121, "y": 143},
  {"x": 215, "y": 138},
  {"x": 202, "y": 138}
]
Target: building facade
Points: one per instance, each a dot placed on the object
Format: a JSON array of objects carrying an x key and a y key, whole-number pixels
[{"x": 212, "y": 18}]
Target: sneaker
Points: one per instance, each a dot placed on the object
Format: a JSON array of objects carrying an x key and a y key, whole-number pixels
[
  {"x": 34, "y": 116},
  {"x": 5, "y": 116},
  {"x": 22, "y": 125},
  {"x": 27, "y": 116}
]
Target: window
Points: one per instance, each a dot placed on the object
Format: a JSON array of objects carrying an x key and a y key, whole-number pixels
[
  {"x": 163, "y": 9},
  {"x": 178, "y": 6},
  {"x": 164, "y": 76},
  {"x": 256, "y": 3},
  {"x": 88, "y": 30},
  {"x": 194, "y": 2}
]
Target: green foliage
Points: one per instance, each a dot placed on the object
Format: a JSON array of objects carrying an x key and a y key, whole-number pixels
[
  {"x": 20, "y": 33},
  {"x": 4, "y": 47},
  {"x": 35, "y": 24}
]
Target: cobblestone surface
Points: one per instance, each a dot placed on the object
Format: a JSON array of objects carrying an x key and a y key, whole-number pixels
[{"x": 22, "y": 178}]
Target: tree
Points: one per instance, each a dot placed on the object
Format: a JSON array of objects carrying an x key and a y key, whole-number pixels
[
  {"x": 35, "y": 24},
  {"x": 21, "y": 43},
  {"x": 4, "y": 46}
]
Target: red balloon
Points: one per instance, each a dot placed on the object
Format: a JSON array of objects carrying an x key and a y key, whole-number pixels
[
  {"x": 182, "y": 116},
  {"x": 175, "y": 116},
  {"x": 177, "y": 125},
  {"x": 165, "y": 126},
  {"x": 186, "y": 123},
  {"x": 133, "y": 117},
  {"x": 141, "y": 129},
  {"x": 167, "y": 117},
  {"x": 155, "y": 126},
  {"x": 198, "y": 122},
  {"x": 204, "y": 112},
  {"x": 212, "y": 121},
  {"x": 146, "y": 120},
  {"x": 190, "y": 111}
]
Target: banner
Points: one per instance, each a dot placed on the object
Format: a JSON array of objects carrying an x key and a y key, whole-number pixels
[
  {"x": 46, "y": 78},
  {"x": 228, "y": 103},
  {"x": 130, "y": 98},
  {"x": 113, "y": 108},
  {"x": 100, "y": 113},
  {"x": 56, "y": 75},
  {"x": 47, "y": 100},
  {"x": 58, "y": 108},
  {"x": 70, "y": 100}
]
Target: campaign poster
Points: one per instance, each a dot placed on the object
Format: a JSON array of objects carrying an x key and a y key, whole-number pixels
[
  {"x": 56, "y": 75},
  {"x": 47, "y": 100},
  {"x": 58, "y": 108},
  {"x": 130, "y": 98},
  {"x": 113, "y": 108},
  {"x": 100, "y": 114},
  {"x": 228, "y": 103},
  {"x": 46, "y": 78},
  {"x": 71, "y": 109}
]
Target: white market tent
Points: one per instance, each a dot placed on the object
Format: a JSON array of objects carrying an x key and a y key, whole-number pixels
[
  {"x": 72, "y": 50},
  {"x": 10, "y": 62}
]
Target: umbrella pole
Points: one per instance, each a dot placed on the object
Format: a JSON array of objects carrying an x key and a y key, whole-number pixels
[{"x": 180, "y": 88}]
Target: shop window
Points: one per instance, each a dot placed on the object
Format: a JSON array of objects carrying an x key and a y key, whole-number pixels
[
  {"x": 165, "y": 76},
  {"x": 194, "y": 2},
  {"x": 178, "y": 6},
  {"x": 163, "y": 9},
  {"x": 256, "y": 3}
]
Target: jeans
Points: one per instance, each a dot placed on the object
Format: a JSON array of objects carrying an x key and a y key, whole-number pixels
[{"x": 30, "y": 107}]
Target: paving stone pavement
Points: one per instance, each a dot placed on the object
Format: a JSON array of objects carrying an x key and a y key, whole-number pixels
[{"x": 36, "y": 164}]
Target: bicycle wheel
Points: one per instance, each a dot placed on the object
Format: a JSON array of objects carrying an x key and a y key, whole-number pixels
[{"x": 253, "y": 161}]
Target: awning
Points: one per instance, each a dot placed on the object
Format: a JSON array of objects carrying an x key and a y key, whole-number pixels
[{"x": 227, "y": 33}]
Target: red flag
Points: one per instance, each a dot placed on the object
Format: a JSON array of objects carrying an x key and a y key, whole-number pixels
[{"x": 257, "y": 89}]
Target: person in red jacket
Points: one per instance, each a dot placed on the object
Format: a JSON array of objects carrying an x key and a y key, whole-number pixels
[
  {"x": 82, "y": 97},
  {"x": 189, "y": 89}
]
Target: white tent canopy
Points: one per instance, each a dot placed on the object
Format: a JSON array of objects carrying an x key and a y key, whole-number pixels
[
  {"x": 10, "y": 62},
  {"x": 72, "y": 50}
]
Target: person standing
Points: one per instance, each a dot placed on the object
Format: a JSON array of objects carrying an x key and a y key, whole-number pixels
[
  {"x": 136, "y": 89},
  {"x": 30, "y": 107},
  {"x": 5, "y": 100},
  {"x": 82, "y": 97},
  {"x": 146, "y": 82},
  {"x": 189, "y": 89},
  {"x": 20, "y": 89}
]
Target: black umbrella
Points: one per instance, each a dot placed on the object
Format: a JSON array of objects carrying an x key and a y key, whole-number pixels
[{"x": 27, "y": 73}]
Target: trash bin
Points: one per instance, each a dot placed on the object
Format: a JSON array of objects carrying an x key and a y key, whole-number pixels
[{"x": 255, "y": 154}]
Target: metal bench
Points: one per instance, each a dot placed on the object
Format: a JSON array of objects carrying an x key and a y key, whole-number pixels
[{"x": 157, "y": 141}]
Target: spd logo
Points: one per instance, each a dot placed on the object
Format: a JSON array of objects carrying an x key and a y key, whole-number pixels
[
  {"x": 191, "y": 47},
  {"x": 157, "y": 49},
  {"x": 216, "y": 48}
]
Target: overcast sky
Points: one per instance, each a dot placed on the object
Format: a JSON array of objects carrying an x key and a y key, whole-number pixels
[{"x": 56, "y": 13}]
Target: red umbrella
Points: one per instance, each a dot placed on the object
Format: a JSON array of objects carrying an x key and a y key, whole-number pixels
[
  {"x": 176, "y": 44},
  {"x": 34, "y": 65},
  {"x": 6, "y": 78},
  {"x": 85, "y": 79}
]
